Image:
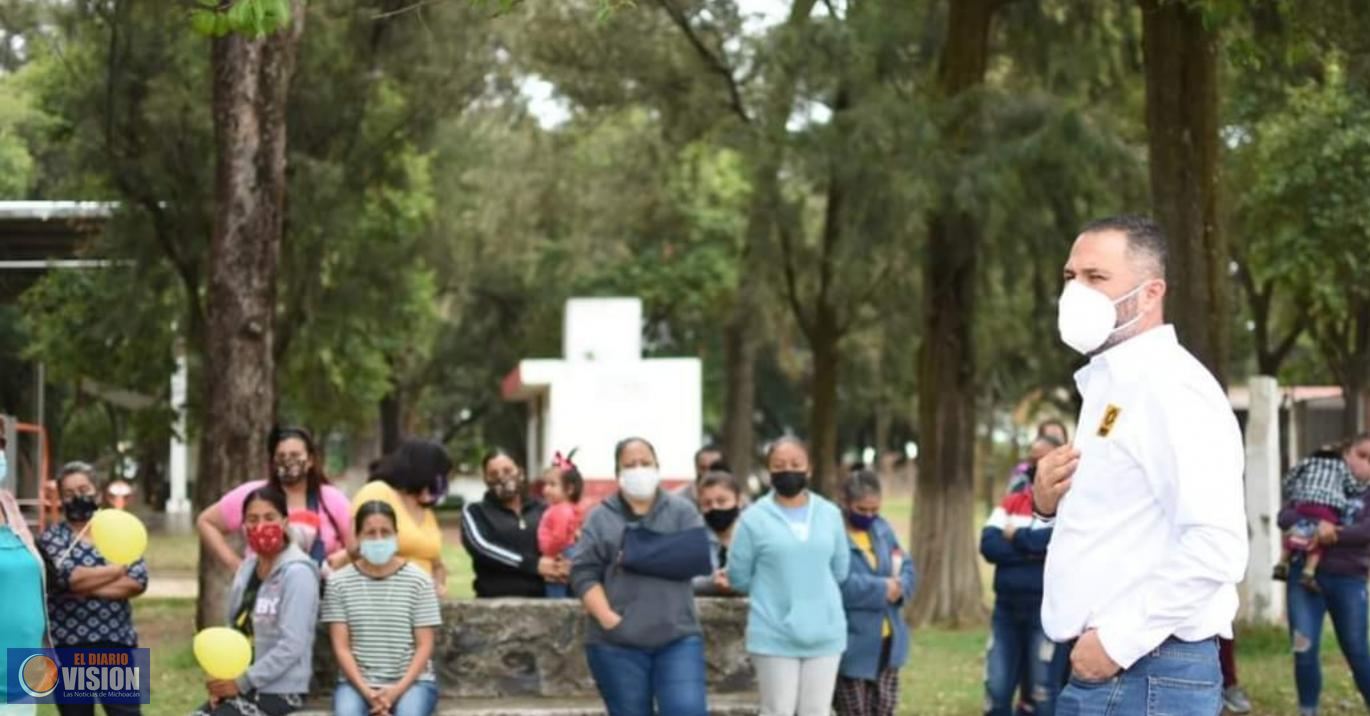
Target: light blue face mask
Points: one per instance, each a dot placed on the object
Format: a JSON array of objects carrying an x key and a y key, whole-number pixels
[{"x": 379, "y": 551}]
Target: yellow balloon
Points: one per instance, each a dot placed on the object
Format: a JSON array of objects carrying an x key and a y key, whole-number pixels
[
  {"x": 222, "y": 652},
  {"x": 120, "y": 537}
]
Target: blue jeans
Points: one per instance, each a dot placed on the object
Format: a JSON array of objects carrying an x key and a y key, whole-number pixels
[
  {"x": 1020, "y": 653},
  {"x": 1345, "y": 598},
  {"x": 418, "y": 700},
  {"x": 630, "y": 680},
  {"x": 558, "y": 591},
  {"x": 1176, "y": 679}
]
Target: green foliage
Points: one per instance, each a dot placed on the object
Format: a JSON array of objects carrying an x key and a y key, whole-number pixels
[{"x": 254, "y": 18}]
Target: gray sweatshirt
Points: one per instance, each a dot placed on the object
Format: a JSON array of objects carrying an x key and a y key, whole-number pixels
[
  {"x": 283, "y": 622},
  {"x": 655, "y": 611}
]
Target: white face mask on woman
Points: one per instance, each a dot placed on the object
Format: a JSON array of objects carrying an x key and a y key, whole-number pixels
[
  {"x": 1086, "y": 318},
  {"x": 639, "y": 483}
]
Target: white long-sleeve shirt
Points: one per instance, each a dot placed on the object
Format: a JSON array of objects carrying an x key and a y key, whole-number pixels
[{"x": 1150, "y": 541}]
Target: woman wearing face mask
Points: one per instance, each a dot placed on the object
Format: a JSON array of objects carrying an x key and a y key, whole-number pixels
[
  {"x": 796, "y": 628},
  {"x": 501, "y": 534},
  {"x": 412, "y": 480},
  {"x": 720, "y": 502},
  {"x": 88, "y": 597},
  {"x": 275, "y": 602},
  {"x": 643, "y": 640},
  {"x": 881, "y": 579},
  {"x": 383, "y": 617},
  {"x": 318, "y": 511},
  {"x": 24, "y": 619}
]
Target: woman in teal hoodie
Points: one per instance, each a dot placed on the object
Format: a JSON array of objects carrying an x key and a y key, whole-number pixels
[{"x": 797, "y": 628}]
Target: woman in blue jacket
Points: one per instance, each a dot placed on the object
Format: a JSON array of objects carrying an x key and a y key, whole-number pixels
[
  {"x": 1020, "y": 656},
  {"x": 790, "y": 556},
  {"x": 881, "y": 579}
]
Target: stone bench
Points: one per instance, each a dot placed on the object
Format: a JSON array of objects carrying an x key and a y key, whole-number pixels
[{"x": 502, "y": 649}]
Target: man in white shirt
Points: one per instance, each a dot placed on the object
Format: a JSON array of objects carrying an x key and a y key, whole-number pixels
[{"x": 1150, "y": 527}]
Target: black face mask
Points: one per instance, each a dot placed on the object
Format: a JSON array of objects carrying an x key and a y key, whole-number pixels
[
  {"x": 721, "y": 520},
  {"x": 790, "y": 483},
  {"x": 80, "y": 508}
]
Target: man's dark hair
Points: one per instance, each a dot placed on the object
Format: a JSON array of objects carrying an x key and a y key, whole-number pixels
[
  {"x": 708, "y": 448},
  {"x": 1145, "y": 238}
]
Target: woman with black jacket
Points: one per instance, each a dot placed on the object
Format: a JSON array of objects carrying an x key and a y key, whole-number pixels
[{"x": 501, "y": 534}]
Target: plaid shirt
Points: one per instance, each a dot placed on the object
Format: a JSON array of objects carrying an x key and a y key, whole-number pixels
[{"x": 1323, "y": 479}]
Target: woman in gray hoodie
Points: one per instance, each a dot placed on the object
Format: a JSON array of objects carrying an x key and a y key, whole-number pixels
[
  {"x": 275, "y": 602},
  {"x": 643, "y": 640}
]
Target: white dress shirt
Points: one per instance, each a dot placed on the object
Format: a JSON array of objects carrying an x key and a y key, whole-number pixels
[{"x": 1150, "y": 541}]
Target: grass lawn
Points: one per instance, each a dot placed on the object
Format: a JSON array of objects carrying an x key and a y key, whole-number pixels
[{"x": 943, "y": 677}]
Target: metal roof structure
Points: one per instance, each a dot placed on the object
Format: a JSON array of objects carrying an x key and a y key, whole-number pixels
[{"x": 39, "y": 235}]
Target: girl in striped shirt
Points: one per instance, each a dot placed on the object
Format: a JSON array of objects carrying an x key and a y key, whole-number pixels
[{"x": 382, "y": 616}]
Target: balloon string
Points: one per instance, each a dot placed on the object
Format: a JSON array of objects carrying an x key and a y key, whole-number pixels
[{"x": 75, "y": 541}]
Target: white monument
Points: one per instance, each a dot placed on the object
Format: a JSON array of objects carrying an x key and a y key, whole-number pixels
[{"x": 602, "y": 390}]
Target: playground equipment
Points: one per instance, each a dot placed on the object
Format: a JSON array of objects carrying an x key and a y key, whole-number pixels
[{"x": 30, "y": 470}]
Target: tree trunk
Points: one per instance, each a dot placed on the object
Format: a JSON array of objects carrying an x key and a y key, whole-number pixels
[
  {"x": 739, "y": 354},
  {"x": 740, "y": 339},
  {"x": 944, "y": 502},
  {"x": 823, "y": 405},
  {"x": 392, "y": 430},
  {"x": 251, "y": 78},
  {"x": 1182, "y": 132},
  {"x": 944, "y": 499}
]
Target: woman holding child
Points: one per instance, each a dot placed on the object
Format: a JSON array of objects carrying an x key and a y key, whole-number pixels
[
  {"x": 1338, "y": 585},
  {"x": 501, "y": 534}
]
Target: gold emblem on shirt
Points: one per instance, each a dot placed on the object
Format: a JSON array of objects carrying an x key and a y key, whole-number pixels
[{"x": 1110, "y": 417}]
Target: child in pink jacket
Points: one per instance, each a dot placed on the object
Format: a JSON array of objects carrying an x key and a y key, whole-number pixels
[{"x": 560, "y": 525}]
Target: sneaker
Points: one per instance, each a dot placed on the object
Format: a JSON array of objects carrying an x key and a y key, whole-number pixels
[
  {"x": 1236, "y": 701},
  {"x": 1310, "y": 583},
  {"x": 1281, "y": 573}
]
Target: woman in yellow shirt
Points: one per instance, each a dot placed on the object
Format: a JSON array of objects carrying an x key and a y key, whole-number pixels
[{"x": 411, "y": 480}]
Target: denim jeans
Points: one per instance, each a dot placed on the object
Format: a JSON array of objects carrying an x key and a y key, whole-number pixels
[
  {"x": 1020, "y": 653},
  {"x": 1176, "y": 679},
  {"x": 1345, "y": 598},
  {"x": 418, "y": 700},
  {"x": 631, "y": 680}
]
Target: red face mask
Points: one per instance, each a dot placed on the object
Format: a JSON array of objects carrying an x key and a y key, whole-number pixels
[{"x": 266, "y": 538}]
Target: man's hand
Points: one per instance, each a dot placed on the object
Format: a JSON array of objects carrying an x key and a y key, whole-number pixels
[
  {"x": 1054, "y": 473},
  {"x": 721, "y": 580},
  {"x": 1089, "y": 661},
  {"x": 894, "y": 591},
  {"x": 1327, "y": 533}
]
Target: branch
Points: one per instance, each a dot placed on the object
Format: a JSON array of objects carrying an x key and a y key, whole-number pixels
[
  {"x": 714, "y": 62},
  {"x": 791, "y": 282},
  {"x": 875, "y": 283}
]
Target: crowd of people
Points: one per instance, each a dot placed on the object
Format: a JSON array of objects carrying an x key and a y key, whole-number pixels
[{"x": 1149, "y": 492}]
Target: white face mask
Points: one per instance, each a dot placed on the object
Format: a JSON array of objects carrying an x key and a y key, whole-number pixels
[
  {"x": 4, "y": 466},
  {"x": 639, "y": 483},
  {"x": 1086, "y": 317}
]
